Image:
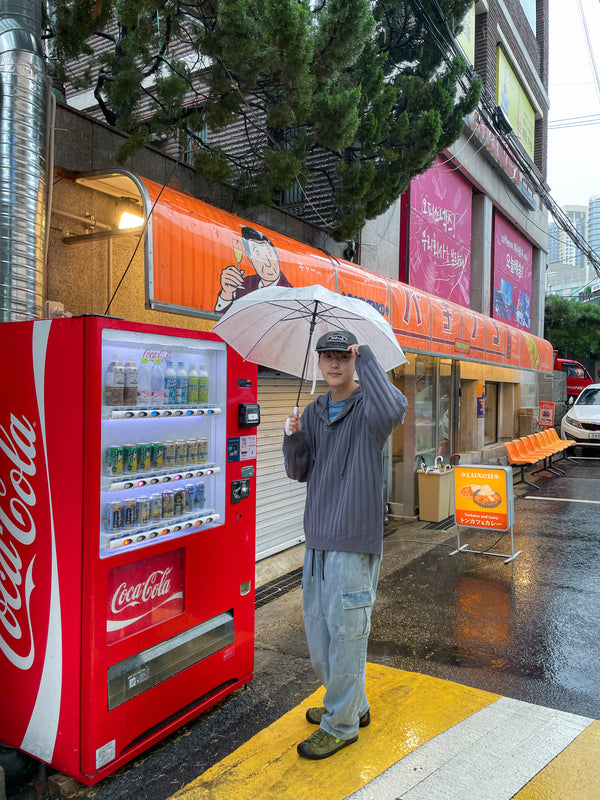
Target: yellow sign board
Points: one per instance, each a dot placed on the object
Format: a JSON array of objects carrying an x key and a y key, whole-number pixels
[
  {"x": 466, "y": 38},
  {"x": 483, "y": 497},
  {"x": 513, "y": 101}
]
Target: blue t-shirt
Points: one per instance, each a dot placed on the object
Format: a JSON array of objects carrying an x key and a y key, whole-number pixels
[{"x": 335, "y": 406}]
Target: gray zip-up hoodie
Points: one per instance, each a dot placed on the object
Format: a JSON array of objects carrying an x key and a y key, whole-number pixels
[{"x": 342, "y": 461}]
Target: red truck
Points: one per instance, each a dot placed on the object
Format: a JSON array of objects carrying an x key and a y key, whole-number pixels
[{"x": 577, "y": 375}]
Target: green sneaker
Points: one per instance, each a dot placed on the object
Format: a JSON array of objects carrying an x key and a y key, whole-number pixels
[
  {"x": 322, "y": 745},
  {"x": 313, "y": 715}
]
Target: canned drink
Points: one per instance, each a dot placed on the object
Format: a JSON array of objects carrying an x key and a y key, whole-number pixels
[
  {"x": 168, "y": 503},
  {"x": 129, "y": 512},
  {"x": 170, "y": 453},
  {"x": 156, "y": 504},
  {"x": 179, "y": 502},
  {"x": 190, "y": 496},
  {"x": 114, "y": 460},
  {"x": 113, "y": 515},
  {"x": 181, "y": 453},
  {"x": 143, "y": 510},
  {"x": 157, "y": 450},
  {"x": 200, "y": 498},
  {"x": 129, "y": 458},
  {"x": 202, "y": 451},
  {"x": 192, "y": 453},
  {"x": 143, "y": 457}
]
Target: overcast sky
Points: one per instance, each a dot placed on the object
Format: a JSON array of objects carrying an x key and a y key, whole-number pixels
[{"x": 574, "y": 152}]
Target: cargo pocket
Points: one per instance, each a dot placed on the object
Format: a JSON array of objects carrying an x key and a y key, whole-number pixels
[{"x": 356, "y": 614}]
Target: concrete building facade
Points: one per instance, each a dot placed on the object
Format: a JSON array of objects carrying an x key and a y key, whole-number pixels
[{"x": 460, "y": 405}]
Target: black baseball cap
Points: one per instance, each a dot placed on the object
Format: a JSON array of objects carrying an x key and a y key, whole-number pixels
[{"x": 335, "y": 340}]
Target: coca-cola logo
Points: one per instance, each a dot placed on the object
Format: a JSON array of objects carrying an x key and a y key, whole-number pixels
[
  {"x": 163, "y": 355},
  {"x": 156, "y": 585},
  {"x": 17, "y": 534}
]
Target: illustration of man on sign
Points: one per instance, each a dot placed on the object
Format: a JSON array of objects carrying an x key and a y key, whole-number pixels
[{"x": 263, "y": 257}]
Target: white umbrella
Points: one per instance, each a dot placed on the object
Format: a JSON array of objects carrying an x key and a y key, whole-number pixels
[{"x": 275, "y": 326}]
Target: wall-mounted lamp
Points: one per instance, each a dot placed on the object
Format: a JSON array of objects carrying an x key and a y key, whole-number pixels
[{"x": 129, "y": 220}]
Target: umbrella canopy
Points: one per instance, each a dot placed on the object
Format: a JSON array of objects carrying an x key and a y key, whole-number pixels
[{"x": 274, "y": 327}]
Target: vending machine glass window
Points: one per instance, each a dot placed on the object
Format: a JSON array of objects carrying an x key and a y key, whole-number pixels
[{"x": 162, "y": 439}]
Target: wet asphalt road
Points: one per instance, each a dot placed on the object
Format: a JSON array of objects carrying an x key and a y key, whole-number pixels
[{"x": 527, "y": 630}]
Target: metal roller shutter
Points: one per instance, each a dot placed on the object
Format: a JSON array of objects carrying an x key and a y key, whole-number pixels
[{"x": 279, "y": 500}]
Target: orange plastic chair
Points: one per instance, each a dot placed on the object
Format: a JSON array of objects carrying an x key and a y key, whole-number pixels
[
  {"x": 566, "y": 443},
  {"x": 549, "y": 446},
  {"x": 554, "y": 435},
  {"x": 537, "y": 445},
  {"x": 531, "y": 444},
  {"x": 524, "y": 448},
  {"x": 526, "y": 451},
  {"x": 520, "y": 461},
  {"x": 548, "y": 441}
]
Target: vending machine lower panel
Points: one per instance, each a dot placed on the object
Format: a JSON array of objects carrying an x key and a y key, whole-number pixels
[{"x": 140, "y": 672}]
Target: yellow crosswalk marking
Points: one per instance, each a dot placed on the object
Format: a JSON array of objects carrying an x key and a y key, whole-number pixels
[
  {"x": 572, "y": 775},
  {"x": 408, "y": 709}
]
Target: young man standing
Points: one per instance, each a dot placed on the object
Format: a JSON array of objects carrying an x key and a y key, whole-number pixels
[{"x": 336, "y": 447}]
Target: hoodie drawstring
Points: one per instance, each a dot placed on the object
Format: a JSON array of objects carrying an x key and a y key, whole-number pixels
[{"x": 312, "y": 564}]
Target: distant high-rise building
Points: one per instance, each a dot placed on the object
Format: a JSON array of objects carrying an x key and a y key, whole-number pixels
[
  {"x": 561, "y": 248},
  {"x": 555, "y": 238},
  {"x": 569, "y": 271},
  {"x": 579, "y": 219},
  {"x": 593, "y": 236}
]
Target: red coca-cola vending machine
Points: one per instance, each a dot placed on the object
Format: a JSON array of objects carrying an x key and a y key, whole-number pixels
[{"x": 127, "y": 526}]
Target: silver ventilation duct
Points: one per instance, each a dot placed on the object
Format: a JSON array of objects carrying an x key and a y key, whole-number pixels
[{"x": 23, "y": 161}]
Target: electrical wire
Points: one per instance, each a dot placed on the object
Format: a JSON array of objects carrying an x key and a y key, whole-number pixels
[
  {"x": 508, "y": 142},
  {"x": 443, "y": 37},
  {"x": 590, "y": 50},
  {"x": 141, "y": 235},
  {"x": 574, "y": 122}
]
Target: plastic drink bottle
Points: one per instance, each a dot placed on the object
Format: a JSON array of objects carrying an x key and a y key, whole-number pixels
[
  {"x": 193, "y": 385},
  {"x": 157, "y": 382},
  {"x": 144, "y": 382},
  {"x": 131, "y": 382},
  {"x": 202, "y": 384},
  {"x": 181, "y": 384},
  {"x": 170, "y": 384},
  {"x": 114, "y": 383}
]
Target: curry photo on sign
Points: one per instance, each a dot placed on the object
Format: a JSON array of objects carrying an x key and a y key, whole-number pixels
[{"x": 262, "y": 254}]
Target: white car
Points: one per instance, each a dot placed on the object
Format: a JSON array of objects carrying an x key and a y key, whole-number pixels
[{"x": 582, "y": 421}]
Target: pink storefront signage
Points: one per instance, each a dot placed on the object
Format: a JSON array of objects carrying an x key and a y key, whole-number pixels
[
  {"x": 440, "y": 233},
  {"x": 512, "y": 275}
]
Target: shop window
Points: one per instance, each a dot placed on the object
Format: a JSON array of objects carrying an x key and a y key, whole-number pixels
[
  {"x": 433, "y": 408},
  {"x": 445, "y": 410},
  {"x": 490, "y": 433},
  {"x": 396, "y": 491},
  {"x": 424, "y": 406},
  {"x": 293, "y": 195},
  {"x": 193, "y": 140}
]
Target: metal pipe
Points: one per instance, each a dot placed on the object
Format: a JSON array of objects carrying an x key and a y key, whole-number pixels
[
  {"x": 89, "y": 221},
  {"x": 23, "y": 161}
]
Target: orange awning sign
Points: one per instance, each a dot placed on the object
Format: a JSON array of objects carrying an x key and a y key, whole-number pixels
[{"x": 200, "y": 259}]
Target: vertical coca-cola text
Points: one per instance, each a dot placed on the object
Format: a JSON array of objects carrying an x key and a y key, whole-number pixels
[{"x": 17, "y": 535}]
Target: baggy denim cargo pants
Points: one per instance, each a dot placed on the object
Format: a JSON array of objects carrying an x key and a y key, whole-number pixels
[{"x": 338, "y": 595}]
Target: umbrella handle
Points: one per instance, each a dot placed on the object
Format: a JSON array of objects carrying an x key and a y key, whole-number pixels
[{"x": 287, "y": 422}]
